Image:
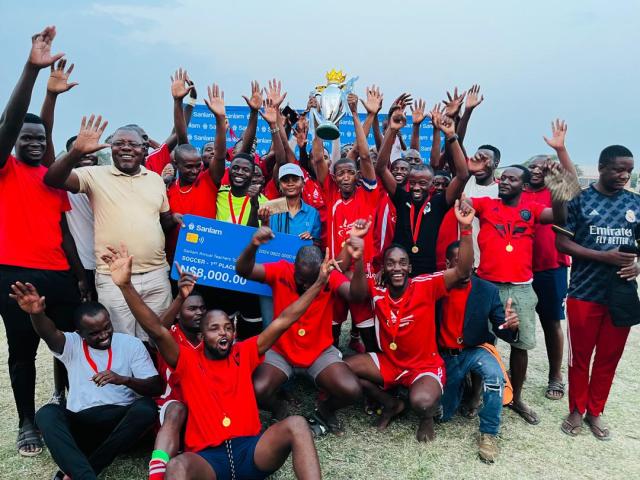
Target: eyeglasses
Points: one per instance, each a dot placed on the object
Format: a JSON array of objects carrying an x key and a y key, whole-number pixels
[{"x": 120, "y": 144}]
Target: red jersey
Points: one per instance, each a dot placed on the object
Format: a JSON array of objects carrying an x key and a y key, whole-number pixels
[
  {"x": 158, "y": 159},
  {"x": 452, "y": 324},
  {"x": 172, "y": 388},
  {"x": 312, "y": 334},
  {"x": 545, "y": 254},
  {"x": 30, "y": 214},
  {"x": 408, "y": 323},
  {"x": 384, "y": 227},
  {"x": 199, "y": 198},
  {"x": 217, "y": 391},
  {"x": 342, "y": 214},
  {"x": 506, "y": 239},
  {"x": 447, "y": 234}
]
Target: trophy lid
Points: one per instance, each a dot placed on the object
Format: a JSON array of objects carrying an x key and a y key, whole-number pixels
[{"x": 335, "y": 76}]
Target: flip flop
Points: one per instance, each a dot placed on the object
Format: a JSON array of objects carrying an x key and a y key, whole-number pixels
[
  {"x": 555, "y": 386},
  {"x": 29, "y": 436},
  {"x": 527, "y": 414},
  {"x": 600, "y": 433},
  {"x": 334, "y": 427},
  {"x": 570, "y": 429}
]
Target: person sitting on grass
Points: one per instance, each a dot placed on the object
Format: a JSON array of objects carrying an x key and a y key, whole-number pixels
[
  {"x": 406, "y": 331},
  {"x": 111, "y": 380},
  {"x": 223, "y": 438}
]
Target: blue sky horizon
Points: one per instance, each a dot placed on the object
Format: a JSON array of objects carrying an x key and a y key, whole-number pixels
[{"x": 535, "y": 61}]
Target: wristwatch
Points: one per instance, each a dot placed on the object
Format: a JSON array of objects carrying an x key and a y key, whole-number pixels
[{"x": 452, "y": 138}]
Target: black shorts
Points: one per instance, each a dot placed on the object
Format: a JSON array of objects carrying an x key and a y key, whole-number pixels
[
  {"x": 242, "y": 449},
  {"x": 551, "y": 289}
]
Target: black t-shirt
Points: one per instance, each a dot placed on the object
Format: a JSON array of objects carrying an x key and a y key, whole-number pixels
[{"x": 434, "y": 211}]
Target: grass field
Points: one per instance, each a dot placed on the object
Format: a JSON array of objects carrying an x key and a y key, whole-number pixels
[{"x": 528, "y": 452}]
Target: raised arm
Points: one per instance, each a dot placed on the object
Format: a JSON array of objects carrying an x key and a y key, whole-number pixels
[
  {"x": 319, "y": 165},
  {"x": 417, "y": 116},
  {"x": 57, "y": 84},
  {"x": 119, "y": 263},
  {"x": 397, "y": 120},
  {"x": 436, "y": 159},
  {"x": 271, "y": 114},
  {"x": 473, "y": 100},
  {"x": 373, "y": 105},
  {"x": 464, "y": 214},
  {"x": 366, "y": 165},
  {"x": 246, "y": 265},
  {"x": 13, "y": 115},
  {"x": 30, "y": 301},
  {"x": 186, "y": 284},
  {"x": 180, "y": 88},
  {"x": 60, "y": 173},
  {"x": 254, "y": 103},
  {"x": 557, "y": 142},
  {"x": 215, "y": 103},
  {"x": 293, "y": 312},
  {"x": 456, "y": 187}
]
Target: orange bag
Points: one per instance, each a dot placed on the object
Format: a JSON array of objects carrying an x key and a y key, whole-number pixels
[{"x": 507, "y": 396}]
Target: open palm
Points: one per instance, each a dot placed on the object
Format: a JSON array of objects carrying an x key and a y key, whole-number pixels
[{"x": 59, "y": 79}]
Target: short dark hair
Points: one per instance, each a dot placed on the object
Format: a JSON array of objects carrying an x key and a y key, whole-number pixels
[
  {"x": 33, "y": 118},
  {"x": 393, "y": 246},
  {"x": 309, "y": 255},
  {"x": 450, "y": 248},
  {"x": 130, "y": 128},
  {"x": 342, "y": 160},
  {"x": 399, "y": 159},
  {"x": 442, "y": 173},
  {"x": 612, "y": 152},
  {"x": 496, "y": 153},
  {"x": 184, "y": 149},
  {"x": 90, "y": 309},
  {"x": 422, "y": 167},
  {"x": 70, "y": 142},
  {"x": 526, "y": 174},
  {"x": 243, "y": 156}
]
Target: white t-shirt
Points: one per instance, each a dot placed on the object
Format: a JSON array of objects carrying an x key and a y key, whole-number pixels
[
  {"x": 80, "y": 220},
  {"x": 129, "y": 358},
  {"x": 471, "y": 190}
]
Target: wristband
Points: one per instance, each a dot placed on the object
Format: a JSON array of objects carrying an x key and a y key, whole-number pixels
[
  {"x": 191, "y": 102},
  {"x": 465, "y": 232},
  {"x": 452, "y": 138},
  {"x": 274, "y": 130}
]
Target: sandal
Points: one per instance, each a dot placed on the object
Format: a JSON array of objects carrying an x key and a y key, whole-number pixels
[
  {"x": 29, "y": 436},
  {"x": 555, "y": 390},
  {"x": 527, "y": 413},
  {"x": 600, "y": 433},
  {"x": 318, "y": 429},
  {"x": 570, "y": 429},
  {"x": 334, "y": 427}
]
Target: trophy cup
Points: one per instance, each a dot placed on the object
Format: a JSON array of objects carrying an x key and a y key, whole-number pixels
[{"x": 332, "y": 104}]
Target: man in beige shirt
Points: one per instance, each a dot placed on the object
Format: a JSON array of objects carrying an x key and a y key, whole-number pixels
[{"x": 130, "y": 205}]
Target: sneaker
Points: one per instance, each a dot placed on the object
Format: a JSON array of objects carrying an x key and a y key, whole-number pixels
[
  {"x": 58, "y": 399},
  {"x": 488, "y": 448}
]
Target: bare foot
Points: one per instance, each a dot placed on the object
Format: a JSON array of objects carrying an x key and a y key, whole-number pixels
[
  {"x": 426, "y": 431},
  {"x": 389, "y": 413},
  {"x": 280, "y": 411}
]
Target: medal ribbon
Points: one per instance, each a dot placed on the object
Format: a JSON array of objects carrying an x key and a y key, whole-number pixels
[
  {"x": 90, "y": 361},
  {"x": 415, "y": 225},
  {"x": 233, "y": 213},
  {"x": 393, "y": 327}
]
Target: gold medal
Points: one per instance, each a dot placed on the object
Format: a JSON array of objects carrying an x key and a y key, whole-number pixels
[
  {"x": 509, "y": 248},
  {"x": 415, "y": 249},
  {"x": 393, "y": 346},
  {"x": 302, "y": 332},
  {"x": 226, "y": 421}
]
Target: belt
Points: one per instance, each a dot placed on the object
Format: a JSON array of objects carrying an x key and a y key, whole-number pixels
[{"x": 454, "y": 352}]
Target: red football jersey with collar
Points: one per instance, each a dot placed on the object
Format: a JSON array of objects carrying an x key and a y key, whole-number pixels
[
  {"x": 500, "y": 226},
  {"x": 215, "y": 389},
  {"x": 342, "y": 214},
  {"x": 415, "y": 310},
  {"x": 312, "y": 334},
  {"x": 197, "y": 199},
  {"x": 545, "y": 254},
  {"x": 158, "y": 159},
  {"x": 172, "y": 388},
  {"x": 384, "y": 227},
  {"x": 454, "y": 306}
]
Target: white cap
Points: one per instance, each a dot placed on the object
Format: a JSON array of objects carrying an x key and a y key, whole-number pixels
[{"x": 290, "y": 169}]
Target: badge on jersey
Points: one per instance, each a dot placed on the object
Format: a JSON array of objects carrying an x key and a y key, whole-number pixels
[
  {"x": 630, "y": 216},
  {"x": 525, "y": 215}
]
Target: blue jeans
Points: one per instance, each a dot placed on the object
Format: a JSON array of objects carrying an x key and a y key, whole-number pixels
[{"x": 478, "y": 360}]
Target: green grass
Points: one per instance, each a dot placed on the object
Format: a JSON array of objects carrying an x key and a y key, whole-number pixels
[{"x": 528, "y": 452}]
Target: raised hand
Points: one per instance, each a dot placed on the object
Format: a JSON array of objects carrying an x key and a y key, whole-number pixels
[
  {"x": 464, "y": 211},
  {"x": 417, "y": 111},
  {"x": 478, "y": 163},
  {"x": 269, "y": 112},
  {"x": 28, "y": 298},
  {"x": 88, "y": 140},
  {"x": 328, "y": 265},
  {"x": 312, "y": 103},
  {"x": 255, "y": 101},
  {"x": 274, "y": 92},
  {"x": 558, "y": 133},
  {"x": 355, "y": 247},
  {"x": 374, "y": 100},
  {"x": 40, "y": 54},
  {"x": 215, "y": 100},
  {"x": 403, "y": 101},
  {"x": 180, "y": 86},
  {"x": 454, "y": 103},
  {"x": 352, "y": 101},
  {"x": 301, "y": 131},
  {"x": 119, "y": 262},
  {"x": 511, "y": 317},
  {"x": 434, "y": 115},
  {"x": 186, "y": 282},
  {"x": 473, "y": 97},
  {"x": 58, "y": 79},
  {"x": 397, "y": 120},
  {"x": 445, "y": 124},
  {"x": 262, "y": 236},
  {"x": 264, "y": 214},
  {"x": 361, "y": 227}
]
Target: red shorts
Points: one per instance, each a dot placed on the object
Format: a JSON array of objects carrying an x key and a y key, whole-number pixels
[{"x": 394, "y": 376}]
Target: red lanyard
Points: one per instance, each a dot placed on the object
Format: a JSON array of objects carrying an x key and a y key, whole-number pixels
[
  {"x": 90, "y": 361},
  {"x": 394, "y": 326},
  {"x": 233, "y": 213},
  {"x": 415, "y": 225}
]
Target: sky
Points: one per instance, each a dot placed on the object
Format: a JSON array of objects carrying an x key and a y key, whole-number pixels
[{"x": 535, "y": 61}]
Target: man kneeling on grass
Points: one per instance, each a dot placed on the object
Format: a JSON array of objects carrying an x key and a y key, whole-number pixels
[
  {"x": 222, "y": 438},
  {"x": 108, "y": 372}
]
